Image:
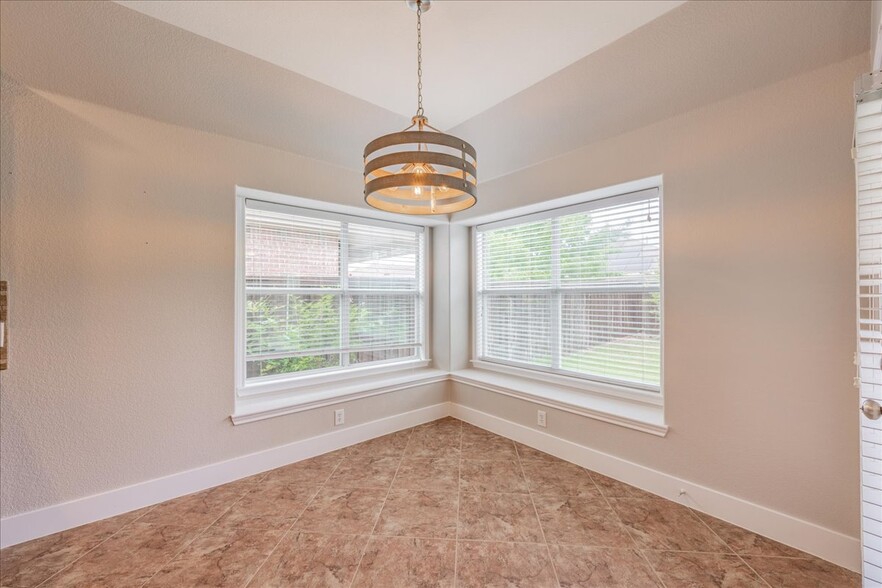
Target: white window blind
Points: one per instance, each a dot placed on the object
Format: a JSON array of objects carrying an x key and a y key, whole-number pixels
[
  {"x": 574, "y": 290},
  {"x": 325, "y": 291}
]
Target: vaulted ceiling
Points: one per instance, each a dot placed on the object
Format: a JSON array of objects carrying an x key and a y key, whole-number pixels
[
  {"x": 522, "y": 81},
  {"x": 476, "y": 54}
]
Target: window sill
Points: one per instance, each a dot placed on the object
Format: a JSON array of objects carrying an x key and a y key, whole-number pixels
[
  {"x": 633, "y": 413},
  {"x": 298, "y": 399}
]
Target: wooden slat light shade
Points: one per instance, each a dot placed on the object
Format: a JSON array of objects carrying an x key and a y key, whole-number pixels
[{"x": 420, "y": 172}]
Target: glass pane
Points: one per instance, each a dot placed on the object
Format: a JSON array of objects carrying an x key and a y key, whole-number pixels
[
  {"x": 612, "y": 335},
  {"x": 383, "y": 258},
  {"x": 517, "y": 257},
  {"x": 361, "y": 357},
  {"x": 292, "y": 325},
  {"x": 615, "y": 245},
  {"x": 517, "y": 328},
  {"x": 288, "y": 365},
  {"x": 378, "y": 320},
  {"x": 283, "y": 250}
]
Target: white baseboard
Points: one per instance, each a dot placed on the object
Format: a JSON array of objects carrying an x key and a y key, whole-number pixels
[
  {"x": 809, "y": 537},
  {"x": 67, "y": 515}
]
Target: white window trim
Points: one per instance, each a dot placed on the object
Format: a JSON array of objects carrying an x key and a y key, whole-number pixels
[
  {"x": 285, "y": 394},
  {"x": 607, "y": 401}
]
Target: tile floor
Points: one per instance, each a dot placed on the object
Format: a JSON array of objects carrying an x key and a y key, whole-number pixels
[{"x": 443, "y": 504}]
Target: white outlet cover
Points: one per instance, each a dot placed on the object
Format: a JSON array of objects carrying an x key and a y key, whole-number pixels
[
  {"x": 339, "y": 417},
  {"x": 540, "y": 418}
]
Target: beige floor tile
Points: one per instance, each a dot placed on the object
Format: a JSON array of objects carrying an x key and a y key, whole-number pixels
[
  {"x": 129, "y": 558},
  {"x": 364, "y": 472},
  {"x": 391, "y": 445},
  {"x": 559, "y": 478},
  {"x": 434, "y": 442},
  {"x": 681, "y": 569},
  {"x": 29, "y": 564},
  {"x": 581, "y": 521},
  {"x": 419, "y": 513},
  {"x": 614, "y": 489},
  {"x": 200, "y": 509},
  {"x": 527, "y": 453},
  {"x": 744, "y": 542},
  {"x": 390, "y": 562},
  {"x": 600, "y": 567},
  {"x": 491, "y": 476},
  {"x": 309, "y": 472},
  {"x": 428, "y": 474},
  {"x": 498, "y": 517},
  {"x": 510, "y": 565},
  {"x": 219, "y": 557},
  {"x": 656, "y": 523},
  {"x": 311, "y": 560},
  {"x": 782, "y": 572},
  {"x": 352, "y": 511},
  {"x": 271, "y": 506},
  {"x": 480, "y": 444}
]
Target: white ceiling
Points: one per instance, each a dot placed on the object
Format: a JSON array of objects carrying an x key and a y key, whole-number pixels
[{"x": 476, "y": 54}]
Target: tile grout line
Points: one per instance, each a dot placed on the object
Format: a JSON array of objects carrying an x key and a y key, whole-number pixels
[
  {"x": 380, "y": 512},
  {"x": 536, "y": 512},
  {"x": 296, "y": 519},
  {"x": 738, "y": 555},
  {"x": 202, "y": 532},
  {"x": 625, "y": 527},
  {"x": 458, "y": 505},
  {"x": 99, "y": 544}
]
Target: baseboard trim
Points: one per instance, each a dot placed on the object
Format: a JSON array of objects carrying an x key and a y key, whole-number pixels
[
  {"x": 67, "y": 515},
  {"x": 809, "y": 537}
]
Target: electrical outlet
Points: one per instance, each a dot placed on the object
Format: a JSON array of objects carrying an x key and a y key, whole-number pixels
[
  {"x": 540, "y": 418},
  {"x": 339, "y": 417}
]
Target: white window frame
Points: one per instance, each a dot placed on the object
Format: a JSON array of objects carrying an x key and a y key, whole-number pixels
[
  {"x": 556, "y": 383},
  {"x": 287, "y": 390}
]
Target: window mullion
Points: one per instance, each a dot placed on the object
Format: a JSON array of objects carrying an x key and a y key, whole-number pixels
[
  {"x": 555, "y": 295},
  {"x": 344, "y": 295}
]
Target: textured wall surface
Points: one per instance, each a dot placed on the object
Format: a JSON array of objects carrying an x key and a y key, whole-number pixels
[
  {"x": 759, "y": 294},
  {"x": 117, "y": 240}
]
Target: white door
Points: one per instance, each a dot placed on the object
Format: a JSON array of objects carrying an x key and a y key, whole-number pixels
[{"x": 868, "y": 164}]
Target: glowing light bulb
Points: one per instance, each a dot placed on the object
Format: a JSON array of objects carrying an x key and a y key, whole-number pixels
[{"x": 418, "y": 169}]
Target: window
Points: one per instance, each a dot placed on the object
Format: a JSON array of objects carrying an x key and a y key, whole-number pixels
[
  {"x": 574, "y": 291},
  {"x": 326, "y": 292}
]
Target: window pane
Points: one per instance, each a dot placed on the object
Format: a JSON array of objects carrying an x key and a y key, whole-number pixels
[
  {"x": 613, "y": 335},
  {"x": 290, "y": 365},
  {"x": 615, "y": 245},
  {"x": 382, "y": 320},
  {"x": 516, "y": 328},
  {"x": 577, "y": 292},
  {"x": 517, "y": 257},
  {"x": 292, "y": 325},
  {"x": 382, "y": 258},
  {"x": 283, "y": 250},
  {"x": 361, "y": 357},
  {"x": 324, "y": 292}
]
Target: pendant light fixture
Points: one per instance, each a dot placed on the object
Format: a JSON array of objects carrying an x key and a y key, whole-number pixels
[{"x": 420, "y": 170}]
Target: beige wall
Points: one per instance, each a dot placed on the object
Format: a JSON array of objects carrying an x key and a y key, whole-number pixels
[
  {"x": 116, "y": 235},
  {"x": 116, "y": 238},
  {"x": 759, "y": 293}
]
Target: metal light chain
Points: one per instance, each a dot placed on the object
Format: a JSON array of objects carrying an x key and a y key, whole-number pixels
[{"x": 419, "y": 58}]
